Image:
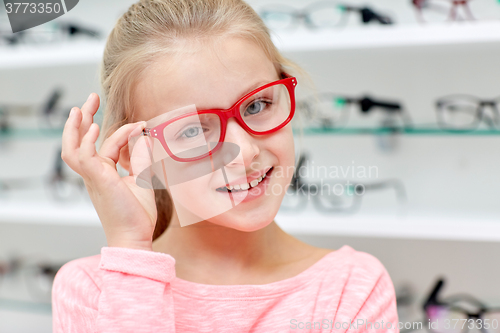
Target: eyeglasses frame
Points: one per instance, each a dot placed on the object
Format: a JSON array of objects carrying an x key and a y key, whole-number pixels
[
  {"x": 367, "y": 14},
  {"x": 452, "y": 16},
  {"x": 479, "y": 116},
  {"x": 435, "y": 300},
  {"x": 300, "y": 187},
  {"x": 366, "y": 104},
  {"x": 288, "y": 81}
]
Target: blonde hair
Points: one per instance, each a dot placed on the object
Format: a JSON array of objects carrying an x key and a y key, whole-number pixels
[{"x": 151, "y": 28}]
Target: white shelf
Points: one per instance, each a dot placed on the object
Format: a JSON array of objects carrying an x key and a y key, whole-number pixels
[
  {"x": 307, "y": 222},
  {"x": 48, "y": 213},
  {"x": 414, "y": 227},
  {"x": 90, "y": 52},
  {"x": 388, "y": 36},
  {"x": 48, "y": 55}
]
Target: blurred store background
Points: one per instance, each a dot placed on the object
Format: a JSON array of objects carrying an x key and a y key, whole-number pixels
[{"x": 405, "y": 126}]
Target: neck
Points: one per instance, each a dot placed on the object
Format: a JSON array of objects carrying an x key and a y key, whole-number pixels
[{"x": 207, "y": 252}]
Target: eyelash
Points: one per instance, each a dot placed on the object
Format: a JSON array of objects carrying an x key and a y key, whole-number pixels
[
  {"x": 267, "y": 103},
  {"x": 183, "y": 132}
]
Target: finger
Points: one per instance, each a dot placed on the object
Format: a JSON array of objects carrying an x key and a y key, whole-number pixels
[
  {"x": 141, "y": 160},
  {"x": 112, "y": 145},
  {"x": 71, "y": 139},
  {"x": 89, "y": 109},
  {"x": 87, "y": 157},
  {"x": 92, "y": 104}
]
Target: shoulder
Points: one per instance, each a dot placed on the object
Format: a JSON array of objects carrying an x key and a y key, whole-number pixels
[
  {"x": 86, "y": 268},
  {"x": 356, "y": 274},
  {"x": 357, "y": 282},
  {"x": 77, "y": 278},
  {"x": 355, "y": 263}
]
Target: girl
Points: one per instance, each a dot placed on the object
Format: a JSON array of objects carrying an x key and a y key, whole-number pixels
[{"x": 234, "y": 270}]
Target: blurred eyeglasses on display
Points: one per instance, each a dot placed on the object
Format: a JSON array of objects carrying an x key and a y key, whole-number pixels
[
  {"x": 52, "y": 114},
  {"x": 443, "y": 10},
  {"x": 36, "y": 275},
  {"x": 466, "y": 112},
  {"x": 318, "y": 15},
  {"x": 4, "y": 120},
  {"x": 49, "y": 33},
  {"x": 58, "y": 185},
  {"x": 49, "y": 117},
  {"x": 332, "y": 111},
  {"x": 459, "y": 313},
  {"x": 331, "y": 196}
]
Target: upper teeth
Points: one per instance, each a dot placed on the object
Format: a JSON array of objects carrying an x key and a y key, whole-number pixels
[{"x": 246, "y": 186}]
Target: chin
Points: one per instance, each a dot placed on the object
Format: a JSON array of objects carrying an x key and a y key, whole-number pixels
[{"x": 247, "y": 221}]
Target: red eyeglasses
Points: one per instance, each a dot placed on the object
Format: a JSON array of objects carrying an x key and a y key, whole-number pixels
[{"x": 198, "y": 134}]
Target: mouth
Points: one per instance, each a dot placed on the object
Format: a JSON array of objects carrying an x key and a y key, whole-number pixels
[{"x": 235, "y": 188}]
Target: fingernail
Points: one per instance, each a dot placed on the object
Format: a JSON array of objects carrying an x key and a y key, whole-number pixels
[
  {"x": 90, "y": 97},
  {"x": 140, "y": 124},
  {"x": 72, "y": 112},
  {"x": 137, "y": 129}
]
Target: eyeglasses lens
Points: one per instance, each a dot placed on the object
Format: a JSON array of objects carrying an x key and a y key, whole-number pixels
[
  {"x": 277, "y": 20},
  {"x": 266, "y": 109},
  {"x": 331, "y": 112},
  {"x": 194, "y": 135},
  {"x": 459, "y": 113},
  {"x": 436, "y": 10},
  {"x": 327, "y": 17},
  {"x": 335, "y": 197},
  {"x": 444, "y": 319}
]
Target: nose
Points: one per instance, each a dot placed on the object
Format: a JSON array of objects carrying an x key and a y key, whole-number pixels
[{"x": 247, "y": 143}]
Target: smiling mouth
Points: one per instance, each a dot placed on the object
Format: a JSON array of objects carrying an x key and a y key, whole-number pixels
[{"x": 245, "y": 186}]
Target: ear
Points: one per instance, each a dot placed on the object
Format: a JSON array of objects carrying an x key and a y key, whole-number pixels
[{"x": 124, "y": 158}]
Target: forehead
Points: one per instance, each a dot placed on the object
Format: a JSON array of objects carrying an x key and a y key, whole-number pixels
[{"x": 209, "y": 75}]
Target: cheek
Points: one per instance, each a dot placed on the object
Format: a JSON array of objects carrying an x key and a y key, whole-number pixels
[
  {"x": 282, "y": 147},
  {"x": 286, "y": 145},
  {"x": 195, "y": 201},
  {"x": 183, "y": 180}
]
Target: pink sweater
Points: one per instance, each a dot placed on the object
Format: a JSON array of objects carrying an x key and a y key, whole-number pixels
[{"x": 126, "y": 290}]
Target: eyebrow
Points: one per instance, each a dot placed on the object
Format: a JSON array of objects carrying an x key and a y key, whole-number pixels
[
  {"x": 253, "y": 87},
  {"x": 246, "y": 92},
  {"x": 257, "y": 85}
]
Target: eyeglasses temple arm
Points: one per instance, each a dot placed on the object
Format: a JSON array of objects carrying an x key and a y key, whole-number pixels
[
  {"x": 147, "y": 132},
  {"x": 296, "y": 179},
  {"x": 432, "y": 299}
]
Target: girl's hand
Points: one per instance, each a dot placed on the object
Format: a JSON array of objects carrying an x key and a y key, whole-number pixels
[{"x": 127, "y": 212}]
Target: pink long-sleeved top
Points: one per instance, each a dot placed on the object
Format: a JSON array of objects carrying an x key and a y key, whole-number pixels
[{"x": 127, "y": 290}]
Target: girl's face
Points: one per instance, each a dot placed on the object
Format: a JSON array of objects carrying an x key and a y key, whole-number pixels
[{"x": 216, "y": 78}]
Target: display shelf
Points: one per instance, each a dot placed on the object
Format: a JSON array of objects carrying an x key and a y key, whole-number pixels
[
  {"x": 48, "y": 212},
  {"x": 84, "y": 52},
  {"x": 424, "y": 131},
  {"x": 34, "y": 133},
  {"x": 403, "y": 130},
  {"x": 25, "y": 306},
  {"x": 363, "y": 37},
  {"x": 50, "y": 55},
  {"x": 444, "y": 227}
]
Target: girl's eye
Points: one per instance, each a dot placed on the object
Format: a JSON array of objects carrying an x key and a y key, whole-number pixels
[
  {"x": 191, "y": 132},
  {"x": 256, "y": 107}
]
